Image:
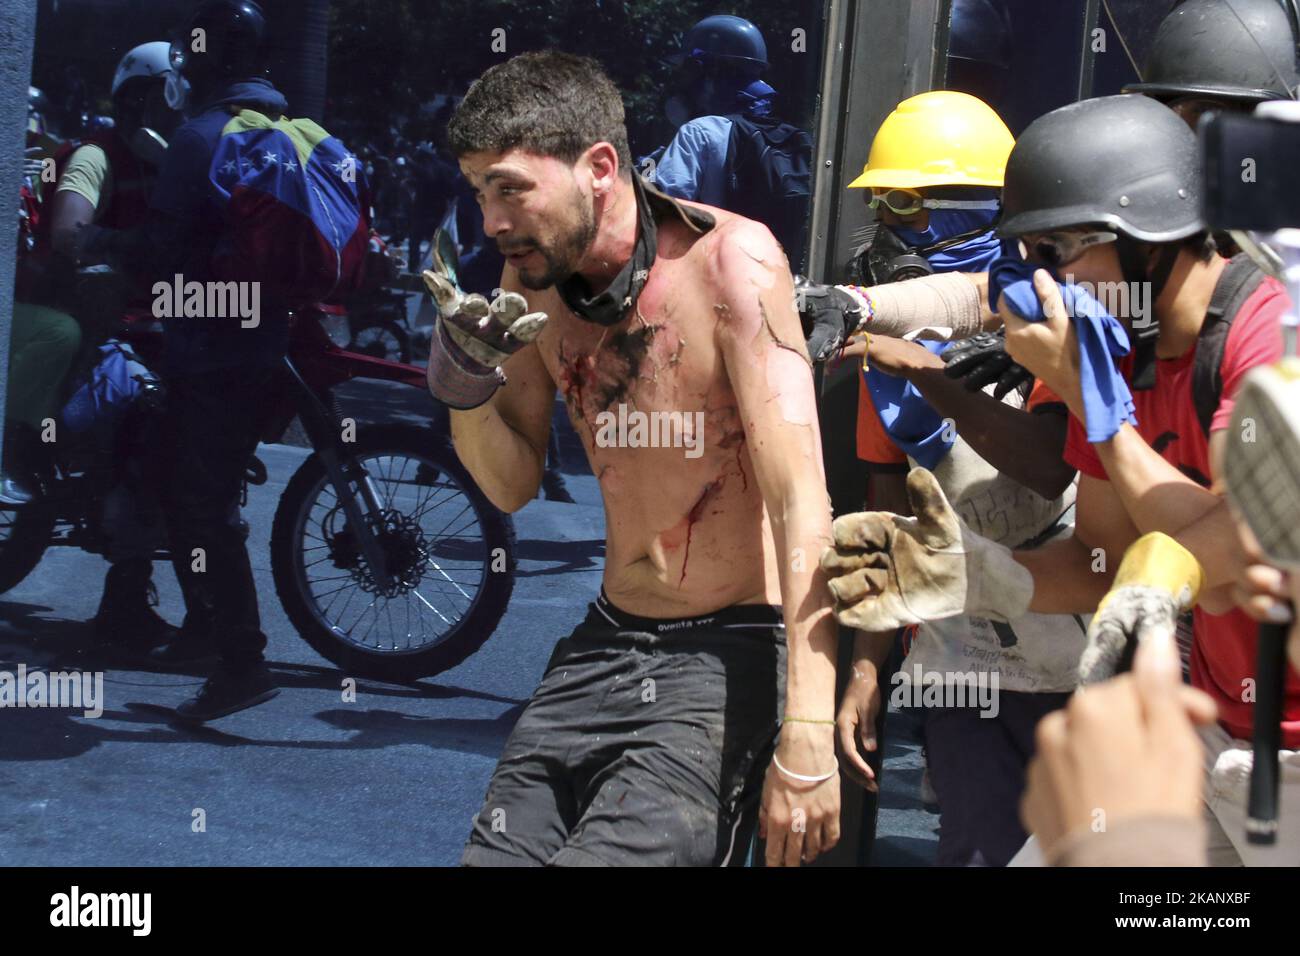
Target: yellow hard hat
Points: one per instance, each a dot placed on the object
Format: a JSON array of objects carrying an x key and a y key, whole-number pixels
[{"x": 941, "y": 138}]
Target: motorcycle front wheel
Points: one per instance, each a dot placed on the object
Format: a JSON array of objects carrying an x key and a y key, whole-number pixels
[
  {"x": 383, "y": 339},
  {"x": 449, "y": 555}
]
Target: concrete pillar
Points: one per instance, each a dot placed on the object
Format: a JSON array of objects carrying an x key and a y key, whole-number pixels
[{"x": 17, "y": 38}]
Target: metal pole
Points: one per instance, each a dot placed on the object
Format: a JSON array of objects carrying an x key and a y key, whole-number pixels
[{"x": 1087, "y": 59}]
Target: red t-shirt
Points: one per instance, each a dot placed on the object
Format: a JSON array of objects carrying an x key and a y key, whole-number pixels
[{"x": 1223, "y": 652}]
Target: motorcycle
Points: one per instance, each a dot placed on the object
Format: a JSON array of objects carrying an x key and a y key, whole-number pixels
[
  {"x": 387, "y": 558},
  {"x": 376, "y": 317}
]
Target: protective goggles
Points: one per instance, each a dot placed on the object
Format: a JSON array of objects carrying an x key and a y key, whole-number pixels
[
  {"x": 178, "y": 54},
  {"x": 1056, "y": 249},
  {"x": 905, "y": 202}
]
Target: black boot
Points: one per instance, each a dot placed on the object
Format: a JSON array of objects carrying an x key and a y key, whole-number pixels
[{"x": 126, "y": 613}]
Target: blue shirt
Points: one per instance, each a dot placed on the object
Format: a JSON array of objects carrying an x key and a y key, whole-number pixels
[{"x": 694, "y": 165}]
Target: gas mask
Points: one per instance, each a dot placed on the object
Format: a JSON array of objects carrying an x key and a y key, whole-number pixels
[
  {"x": 954, "y": 241},
  {"x": 883, "y": 258},
  {"x": 177, "y": 91}
]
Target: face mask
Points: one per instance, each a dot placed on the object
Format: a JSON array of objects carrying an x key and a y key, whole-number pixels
[
  {"x": 946, "y": 223},
  {"x": 973, "y": 255},
  {"x": 176, "y": 91}
]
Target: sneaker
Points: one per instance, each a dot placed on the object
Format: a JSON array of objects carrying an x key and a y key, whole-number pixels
[
  {"x": 13, "y": 493},
  {"x": 227, "y": 692}
]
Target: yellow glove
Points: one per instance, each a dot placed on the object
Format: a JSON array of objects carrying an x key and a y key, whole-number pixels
[{"x": 1157, "y": 581}]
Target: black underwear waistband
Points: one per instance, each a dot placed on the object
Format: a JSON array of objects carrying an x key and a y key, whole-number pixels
[{"x": 737, "y": 617}]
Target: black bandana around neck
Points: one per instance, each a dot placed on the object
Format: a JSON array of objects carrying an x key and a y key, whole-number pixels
[{"x": 610, "y": 306}]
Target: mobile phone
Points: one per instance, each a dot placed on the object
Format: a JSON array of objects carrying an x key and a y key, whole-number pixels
[{"x": 1250, "y": 166}]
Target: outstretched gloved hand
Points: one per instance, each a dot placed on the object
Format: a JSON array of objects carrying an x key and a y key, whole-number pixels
[
  {"x": 829, "y": 313},
  {"x": 982, "y": 359},
  {"x": 888, "y": 571},
  {"x": 472, "y": 339},
  {"x": 1157, "y": 581}
]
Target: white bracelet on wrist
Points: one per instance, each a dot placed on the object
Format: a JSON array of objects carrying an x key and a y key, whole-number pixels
[{"x": 803, "y": 777}]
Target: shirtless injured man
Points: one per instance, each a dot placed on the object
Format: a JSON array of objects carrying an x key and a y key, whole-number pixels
[{"x": 670, "y": 721}]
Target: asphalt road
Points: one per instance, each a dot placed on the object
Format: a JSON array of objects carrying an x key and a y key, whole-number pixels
[{"x": 393, "y": 778}]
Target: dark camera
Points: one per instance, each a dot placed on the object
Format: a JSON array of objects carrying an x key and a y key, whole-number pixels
[{"x": 1251, "y": 165}]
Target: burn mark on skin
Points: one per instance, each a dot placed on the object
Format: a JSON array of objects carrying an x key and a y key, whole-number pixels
[
  {"x": 767, "y": 324},
  {"x": 630, "y": 347},
  {"x": 598, "y": 381}
]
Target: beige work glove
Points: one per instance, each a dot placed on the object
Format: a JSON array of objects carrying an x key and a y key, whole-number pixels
[
  {"x": 472, "y": 338},
  {"x": 887, "y": 571}
]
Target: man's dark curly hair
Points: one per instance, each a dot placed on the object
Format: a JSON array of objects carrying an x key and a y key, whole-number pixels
[{"x": 550, "y": 103}]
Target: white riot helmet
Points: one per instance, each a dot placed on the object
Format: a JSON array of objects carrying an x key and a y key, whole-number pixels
[{"x": 148, "y": 60}]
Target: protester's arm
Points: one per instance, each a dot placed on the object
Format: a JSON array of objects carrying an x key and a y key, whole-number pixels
[
  {"x": 762, "y": 349},
  {"x": 1072, "y": 575},
  {"x": 951, "y": 300},
  {"x": 680, "y": 170},
  {"x": 1021, "y": 445},
  {"x": 1155, "y": 494},
  {"x": 1159, "y": 497},
  {"x": 860, "y": 705},
  {"x": 502, "y": 442},
  {"x": 73, "y": 205}
]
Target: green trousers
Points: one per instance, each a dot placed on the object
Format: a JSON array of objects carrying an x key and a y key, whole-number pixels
[{"x": 43, "y": 344}]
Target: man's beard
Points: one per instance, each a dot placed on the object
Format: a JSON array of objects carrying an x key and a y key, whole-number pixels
[{"x": 564, "y": 253}]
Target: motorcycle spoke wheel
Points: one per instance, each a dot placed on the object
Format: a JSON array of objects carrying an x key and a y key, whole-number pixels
[{"x": 436, "y": 557}]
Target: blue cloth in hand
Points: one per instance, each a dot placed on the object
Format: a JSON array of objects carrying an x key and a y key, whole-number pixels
[
  {"x": 1107, "y": 401},
  {"x": 910, "y": 421}
]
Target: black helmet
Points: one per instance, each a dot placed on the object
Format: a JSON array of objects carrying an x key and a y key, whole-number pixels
[
  {"x": 1124, "y": 162},
  {"x": 235, "y": 32},
  {"x": 724, "y": 39},
  {"x": 1242, "y": 50}
]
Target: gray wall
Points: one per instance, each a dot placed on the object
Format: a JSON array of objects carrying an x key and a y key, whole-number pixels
[{"x": 17, "y": 37}]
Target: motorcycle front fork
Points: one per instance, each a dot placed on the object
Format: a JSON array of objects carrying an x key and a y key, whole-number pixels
[{"x": 351, "y": 482}]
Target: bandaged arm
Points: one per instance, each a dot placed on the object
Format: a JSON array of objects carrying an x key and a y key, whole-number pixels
[{"x": 953, "y": 301}]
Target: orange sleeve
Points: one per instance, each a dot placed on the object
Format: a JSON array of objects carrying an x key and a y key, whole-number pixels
[
  {"x": 874, "y": 445},
  {"x": 1041, "y": 395}
]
